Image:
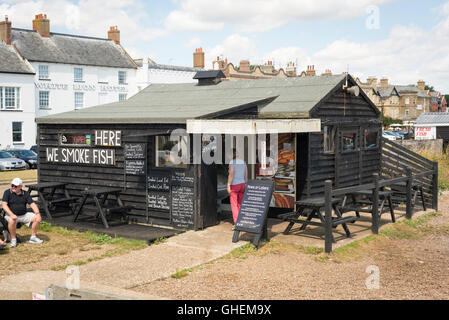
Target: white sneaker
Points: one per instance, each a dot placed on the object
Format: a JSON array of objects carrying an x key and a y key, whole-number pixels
[
  {"x": 13, "y": 243},
  {"x": 35, "y": 240}
]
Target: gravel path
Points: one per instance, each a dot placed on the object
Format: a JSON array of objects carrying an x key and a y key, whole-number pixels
[{"x": 415, "y": 268}]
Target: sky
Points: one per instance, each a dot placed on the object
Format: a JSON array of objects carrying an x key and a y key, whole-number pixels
[{"x": 403, "y": 40}]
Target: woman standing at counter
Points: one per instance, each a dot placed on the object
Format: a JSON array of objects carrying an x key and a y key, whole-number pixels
[{"x": 238, "y": 173}]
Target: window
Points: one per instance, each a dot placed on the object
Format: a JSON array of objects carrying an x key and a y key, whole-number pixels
[
  {"x": 407, "y": 112},
  {"x": 17, "y": 132},
  {"x": 329, "y": 139},
  {"x": 407, "y": 100},
  {"x": 78, "y": 74},
  {"x": 79, "y": 100},
  {"x": 43, "y": 72},
  {"x": 122, "y": 77},
  {"x": 371, "y": 138},
  {"x": 10, "y": 98},
  {"x": 166, "y": 155},
  {"x": 349, "y": 141},
  {"x": 122, "y": 97},
  {"x": 44, "y": 99}
]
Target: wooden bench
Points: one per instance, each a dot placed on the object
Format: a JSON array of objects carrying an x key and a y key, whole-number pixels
[{"x": 315, "y": 206}]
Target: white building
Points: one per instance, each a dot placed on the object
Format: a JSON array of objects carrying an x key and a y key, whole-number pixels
[
  {"x": 17, "y": 127},
  {"x": 151, "y": 72},
  {"x": 67, "y": 72}
]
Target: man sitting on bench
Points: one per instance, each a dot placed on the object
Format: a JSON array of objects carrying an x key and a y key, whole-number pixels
[{"x": 14, "y": 203}]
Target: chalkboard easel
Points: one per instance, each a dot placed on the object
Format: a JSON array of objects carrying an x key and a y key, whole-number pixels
[{"x": 253, "y": 212}]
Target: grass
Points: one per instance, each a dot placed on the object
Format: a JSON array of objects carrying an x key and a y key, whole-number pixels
[
  {"x": 8, "y": 176},
  {"x": 443, "y": 168},
  {"x": 401, "y": 230},
  {"x": 61, "y": 244}
]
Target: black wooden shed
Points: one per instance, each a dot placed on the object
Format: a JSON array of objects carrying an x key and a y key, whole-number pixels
[{"x": 327, "y": 129}]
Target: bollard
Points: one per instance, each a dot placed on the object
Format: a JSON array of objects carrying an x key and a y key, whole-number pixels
[
  {"x": 408, "y": 192},
  {"x": 375, "y": 199},
  {"x": 328, "y": 216}
]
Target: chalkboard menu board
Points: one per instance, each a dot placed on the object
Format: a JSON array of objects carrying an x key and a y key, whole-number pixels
[
  {"x": 135, "y": 167},
  {"x": 159, "y": 200},
  {"x": 182, "y": 199},
  {"x": 254, "y": 208},
  {"x": 135, "y": 151},
  {"x": 135, "y": 155},
  {"x": 158, "y": 181}
]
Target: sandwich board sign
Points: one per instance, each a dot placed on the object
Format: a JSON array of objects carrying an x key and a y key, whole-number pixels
[{"x": 252, "y": 216}]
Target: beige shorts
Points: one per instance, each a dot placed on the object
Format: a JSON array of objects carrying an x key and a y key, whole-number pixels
[{"x": 26, "y": 219}]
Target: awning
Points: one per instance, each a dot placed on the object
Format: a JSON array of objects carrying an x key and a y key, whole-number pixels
[{"x": 252, "y": 126}]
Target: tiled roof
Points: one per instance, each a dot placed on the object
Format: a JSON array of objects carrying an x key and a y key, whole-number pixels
[
  {"x": 11, "y": 62},
  {"x": 70, "y": 49}
]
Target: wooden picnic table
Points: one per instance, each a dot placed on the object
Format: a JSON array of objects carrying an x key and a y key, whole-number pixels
[
  {"x": 99, "y": 197},
  {"x": 46, "y": 193}
]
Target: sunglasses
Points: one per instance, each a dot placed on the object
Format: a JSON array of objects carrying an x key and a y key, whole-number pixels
[{"x": 13, "y": 186}]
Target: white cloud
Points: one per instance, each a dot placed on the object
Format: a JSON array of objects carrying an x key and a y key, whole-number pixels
[
  {"x": 193, "y": 43},
  {"x": 260, "y": 15},
  {"x": 86, "y": 17},
  {"x": 405, "y": 56},
  {"x": 234, "y": 48}
]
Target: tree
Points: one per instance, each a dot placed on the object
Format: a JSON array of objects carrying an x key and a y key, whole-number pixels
[
  {"x": 431, "y": 89},
  {"x": 387, "y": 121}
]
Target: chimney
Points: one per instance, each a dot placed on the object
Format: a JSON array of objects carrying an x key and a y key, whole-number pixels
[
  {"x": 244, "y": 66},
  {"x": 421, "y": 85},
  {"x": 5, "y": 31},
  {"x": 384, "y": 83},
  {"x": 291, "y": 69},
  {"x": 327, "y": 73},
  {"x": 114, "y": 34},
  {"x": 42, "y": 25},
  {"x": 198, "y": 58},
  {"x": 310, "y": 71}
]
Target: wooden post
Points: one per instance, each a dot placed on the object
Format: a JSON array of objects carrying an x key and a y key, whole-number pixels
[
  {"x": 435, "y": 187},
  {"x": 375, "y": 200},
  {"x": 328, "y": 216},
  {"x": 408, "y": 191}
]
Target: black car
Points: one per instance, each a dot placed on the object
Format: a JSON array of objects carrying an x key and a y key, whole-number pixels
[{"x": 30, "y": 157}]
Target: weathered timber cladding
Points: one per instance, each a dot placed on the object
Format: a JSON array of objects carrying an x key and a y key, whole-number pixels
[
  {"x": 345, "y": 168},
  {"x": 80, "y": 177}
]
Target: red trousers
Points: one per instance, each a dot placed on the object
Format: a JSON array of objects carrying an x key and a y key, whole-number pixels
[{"x": 236, "y": 197}]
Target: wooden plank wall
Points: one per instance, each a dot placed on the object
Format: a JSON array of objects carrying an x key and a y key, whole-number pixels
[
  {"x": 81, "y": 176},
  {"x": 347, "y": 113}
]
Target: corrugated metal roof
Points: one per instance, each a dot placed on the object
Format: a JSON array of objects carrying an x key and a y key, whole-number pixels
[
  {"x": 10, "y": 61},
  {"x": 70, "y": 49},
  {"x": 433, "y": 118},
  {"x": 174, "y": 103}
]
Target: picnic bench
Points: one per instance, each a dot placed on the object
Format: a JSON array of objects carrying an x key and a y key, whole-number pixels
[
  {"x": 102, "y": 205},
  {"x": 313, "y": 208},
  {"x": 49, "y": 200}
]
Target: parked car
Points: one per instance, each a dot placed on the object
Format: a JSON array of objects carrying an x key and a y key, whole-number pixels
[
  {"x": 389, "y": 136},
  {"x": 30, "y": 157},
  {"x": 398, "y": 135},
  {"x": 34, "y": 149},
  {"x": 9, "y": 162}
]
